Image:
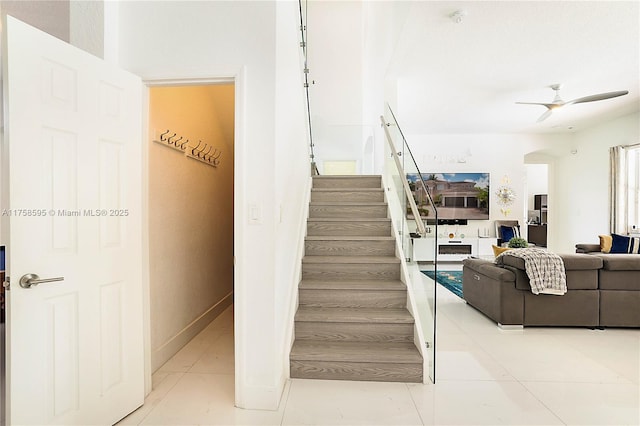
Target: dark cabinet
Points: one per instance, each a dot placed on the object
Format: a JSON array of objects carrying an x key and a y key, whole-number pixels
[
  {"x": 540, "y": 204},
  {"x": 537, "y": 234}
]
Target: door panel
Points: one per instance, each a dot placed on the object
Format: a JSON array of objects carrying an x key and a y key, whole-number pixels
[{"x": 73, "y": 137}]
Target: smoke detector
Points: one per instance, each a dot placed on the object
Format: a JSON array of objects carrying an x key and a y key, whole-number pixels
[{"x": 458, "y": 15}]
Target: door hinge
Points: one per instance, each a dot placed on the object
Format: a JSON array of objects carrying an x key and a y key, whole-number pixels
[{"x": 7, "y": 283}]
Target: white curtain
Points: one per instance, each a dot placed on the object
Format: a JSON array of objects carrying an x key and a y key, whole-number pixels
[
  {"x": 624, "y": 188},
  {"x": 618, "y": 189}
]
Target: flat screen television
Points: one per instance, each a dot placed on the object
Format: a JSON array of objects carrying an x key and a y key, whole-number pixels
[{"x": 457, "y": 196}]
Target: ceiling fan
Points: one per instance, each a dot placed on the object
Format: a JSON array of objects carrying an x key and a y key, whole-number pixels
[{"x": 558, "y": 103}]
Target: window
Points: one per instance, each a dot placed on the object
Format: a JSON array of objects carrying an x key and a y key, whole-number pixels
[
  {"x": 625, "y": 189},
  {"x": 633, "y": 189}
]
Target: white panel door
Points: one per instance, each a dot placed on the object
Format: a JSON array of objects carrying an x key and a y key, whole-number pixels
[{"x": 72, "y": 158}]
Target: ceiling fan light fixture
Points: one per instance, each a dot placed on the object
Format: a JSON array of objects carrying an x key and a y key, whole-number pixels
[{"x": 557, "y": 104}]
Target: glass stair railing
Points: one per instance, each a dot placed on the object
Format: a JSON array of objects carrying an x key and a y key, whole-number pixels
[{"x": 412, "y": 220}]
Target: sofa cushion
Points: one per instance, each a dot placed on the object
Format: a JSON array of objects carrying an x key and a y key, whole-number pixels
[
  {"x": 605, "y": 243},
  {"x": 497, "y": 250},
  {"x": 619, "y": 262},
  {"x": 588, "y": 248},
  {"x": 624, "y": 244},
  {"x": 576, "y": 308},
  {"x": 581, "y": 270},
  {"x": 581, "y": 262},
  {"x": 619, "y": 280},
  {"x": 489, "y": 269},
  {"x": 509, "y": 232},
  {"x": 620, "y": 308},
  {"x": 576, "y": 261}
]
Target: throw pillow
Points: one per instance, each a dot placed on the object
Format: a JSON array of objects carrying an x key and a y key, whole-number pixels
[
  {"x": 605, "y": 243},
  {"x": 509, "y": 232},
  {"x": 624, "y": 244},
  {"x": 497, "y": 250}
]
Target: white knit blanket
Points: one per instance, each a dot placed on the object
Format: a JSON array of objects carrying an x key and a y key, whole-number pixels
[{"x": 545, "y": 270}]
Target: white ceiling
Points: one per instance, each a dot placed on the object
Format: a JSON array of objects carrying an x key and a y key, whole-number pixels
[{"x": 466, "y": 77}]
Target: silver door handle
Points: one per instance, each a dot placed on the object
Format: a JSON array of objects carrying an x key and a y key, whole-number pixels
[{"x": 28, "y": 280}]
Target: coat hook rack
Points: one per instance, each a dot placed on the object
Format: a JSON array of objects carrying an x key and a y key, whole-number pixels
[
  {"x": 172, "y": 141},
  {"x": 202, "y": 151},
  {"x": 203, "y": 154}
]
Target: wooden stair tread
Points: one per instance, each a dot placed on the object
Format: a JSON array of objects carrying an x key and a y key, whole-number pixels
[
  {"x": 348, "y": 203},
  {"x": 397, "y": 352},
  {"x": 350, "y": 259},
  {"x": 347, "y": 189},
  {"x": 322, "y": 177},
  {"x": 364, "y": 285},
  {"x": 352, "y": 322},
  {"x": 359, "y": 315},
  {"x": 346, "y": 219},
  {"x": 349, "y": 238}
]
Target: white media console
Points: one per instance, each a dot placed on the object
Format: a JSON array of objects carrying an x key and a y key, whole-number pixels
[{"x": 452, "y": 249}]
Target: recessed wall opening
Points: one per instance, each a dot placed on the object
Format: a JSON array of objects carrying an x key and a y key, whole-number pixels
[{"x": 191, "y": 184}]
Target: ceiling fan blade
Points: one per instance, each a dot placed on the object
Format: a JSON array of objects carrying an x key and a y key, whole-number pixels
[
  {"x": 549, "y": 106},
  {"x": 545, "y": 115},
  {"x": 598, "y": 97}
]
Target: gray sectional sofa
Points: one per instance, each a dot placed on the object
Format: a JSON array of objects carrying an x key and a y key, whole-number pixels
[
  {"x": 603, "y": 290},
  {"x": 619, "y": 285}
]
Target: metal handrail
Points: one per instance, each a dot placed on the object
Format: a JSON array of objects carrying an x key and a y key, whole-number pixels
[
  {"x": 396, "y": 157},
  {"x": 303, "y": 45}
]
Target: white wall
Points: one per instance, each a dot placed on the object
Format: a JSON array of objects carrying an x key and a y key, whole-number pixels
[
  {"x": 501, "y": 155},
  {"x": 537, "y": 182},
  {"x": 292, "y": 177},
  {"x": 581, "y": 184},
  {"x": 335, "y": 60},
  {"x": 190, "y": 215},
  {"x": 87, "y": 26},
  {"x": 379, "y": 39},
  {"x": 228, "y": 38},
  {"x": 49, "y": 16}
]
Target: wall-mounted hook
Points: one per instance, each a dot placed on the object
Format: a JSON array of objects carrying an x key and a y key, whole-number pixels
[
  {"x": 183, "y": 144},
  {"x": 204, "y": 154},
  {"x": 213, "y": 154},
  {"x": 216, "y": 160},
  {"x": 193, "y": 149},
  {"x": 199, "y": 151},
  {"x": 169, "y": 141},
  {"x": 162, "y": 139},
  {"x": 175, "y": 142}
]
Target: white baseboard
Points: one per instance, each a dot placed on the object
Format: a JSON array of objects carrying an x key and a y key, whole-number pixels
[
  {"x": 261, "y": 397},
  {"x": 162, "y": 354}
]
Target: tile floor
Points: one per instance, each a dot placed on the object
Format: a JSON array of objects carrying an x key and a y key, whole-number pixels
[{"x": 485, "y": 376}]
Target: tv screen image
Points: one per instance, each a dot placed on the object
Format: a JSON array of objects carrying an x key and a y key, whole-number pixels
[{"x": 455, "y": 195}]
